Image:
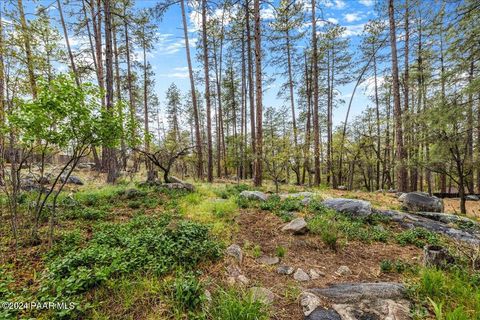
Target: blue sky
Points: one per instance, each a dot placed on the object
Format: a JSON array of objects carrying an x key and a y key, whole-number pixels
[{"x": 169, "y": 61}]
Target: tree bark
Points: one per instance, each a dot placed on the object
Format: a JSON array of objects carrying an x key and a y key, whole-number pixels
[
  {"x": 198, "y": 137},
  {"x": 207, "y": 92},
  {"x": 28, "y": 49},
  {"x": 250, "y": 85},
  {"x": 316, "y": 134},
  {"x": 402, "y": 177},
  {"x": 69, "y": 49},
  {"x": 258, "y": 94}
]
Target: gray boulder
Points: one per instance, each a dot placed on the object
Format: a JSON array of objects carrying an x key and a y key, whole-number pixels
[
  {"x": 29, "y": 185},
  {"x": 354, "y": 292},
  {"x": 353, "y": 207},
  {"x": 323, "y": 314},
  {"x": 472, "y": 197},
  {"x": 72, "y": 180},
  {"x": 179, "y": 186},
  {"x": 296, "y": 226},
  {"x": 254, "y": 195},
  {"x": 133, "y": 193},
  {"x": 420, "y": 201}
]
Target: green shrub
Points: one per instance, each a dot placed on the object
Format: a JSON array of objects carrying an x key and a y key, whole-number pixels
[
  {"x": 242, "y": 202},
  {"x": 134, "y": 204},
  {"x": 237, "y": 305},
  {"x": 418, "y": 237},
  {"x": 142, "y": 245},
  {"x": 271, "y": 204},
  {"x": 280, "y": 251},
  {"x": 386, "y": 266},
  {"x": 291, "y": 204},
  {"x": 186, "y": 293}
]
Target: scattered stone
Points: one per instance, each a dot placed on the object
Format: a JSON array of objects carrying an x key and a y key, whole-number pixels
[
  {"x": 269, "y": 261},
  {"x": 350, "y": 206},
  {"x": 244, "y": 280},
  {"x": 472, "y": 197},
  {"x": 296, "y": 226},
  {"x": 71, "y": 179},
  {"x": 323, "y": 314},
  {"x": 446, "y": 217},
  {"x": 342, "y": 188},
  {"x": 436, "y": 256},
  {"x": 254, "y": 195},
  {"x": 262, "y": 294},
  {"x": 286, "y": 270},
  {"x": 304, "y": 194},
  {"x": 309, "y": 302},
  {"x": 379, "y": 228},
  {"x": 235, "y": 251},
  {"x": 402, "y": 197},
  {"x": 354, "y": 292},
  {"x": 421, "y": 201},
  {"x": 391, "y": 190},
  {"x": 208, "y": 296},
  {"x": 343, "y": 271},
  {"x": 301, "y": 275},
  {"x": 315, "y": 274},
  {"x": 173, "y": 179},
  {"x": 231, "y": 280},
  {"x": 233, "y": 270}
]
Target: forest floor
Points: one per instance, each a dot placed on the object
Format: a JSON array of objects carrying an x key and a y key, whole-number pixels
[{"x": 154, "y": 253}]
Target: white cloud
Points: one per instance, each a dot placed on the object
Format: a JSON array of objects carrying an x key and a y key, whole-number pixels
[
  {"x": 368, "y": 85},
  {"x": 267, "y": 13},
  {"x": 168, "y": 44},
  {"x": 338, "y": 4},
  {"x": 353, "y": 30},
  {"x": 332, "y": 20},
  {"x": 352, "y": 17},
  {"x": 367, "y": 3}
]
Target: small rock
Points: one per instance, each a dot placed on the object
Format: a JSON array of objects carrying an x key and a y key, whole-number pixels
[
  {"x": 391, "y": 190},
  {"x": 315, "y": 274},
  {"x": 309, "y": 302},
  {"x": 132, "y": 193},
  {"x": 254, "y": 195},
  {"x": 262, "y": 294},
  {"x": 301, "y": 275},
  {"x": 71, "y": 179},
  {"x": 233, "y": 271},
  {"x": 235, "y": 251},
  {"x": 286, "y": 270},
  {"x": 343, "y": 271},
  {"x": 402, "y": 197},
  {"x": 208, "y": 296},
  {"x": 244, "y": 280},
  {"x": 379, "y": 228},
  {"x": 296, "y": 226},
  {"x": 269, "y": 261},
  {"x": 323, "y": 314},
  {"x": 342, "y": 188},
  {"x": 231, "y": 280}
]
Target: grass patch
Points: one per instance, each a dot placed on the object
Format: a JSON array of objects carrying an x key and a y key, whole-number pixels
[
  {"x": 237, "y": 305},
  {"x": 449, "y": 294}
]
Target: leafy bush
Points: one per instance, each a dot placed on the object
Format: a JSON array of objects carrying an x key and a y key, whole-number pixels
[
  {"x": 186, "y": 293},
  {"x": 386, "y": 266},
  {"x": 142, "y": 245},
  {"x": 235, "y": 305},
  {"x": 418, "y": 237},
  {"x": 291, "y": 204},
  {"x": 242, "y": 202}
]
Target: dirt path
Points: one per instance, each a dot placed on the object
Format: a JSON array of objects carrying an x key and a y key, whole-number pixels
[{"x": 262, "y": 229}]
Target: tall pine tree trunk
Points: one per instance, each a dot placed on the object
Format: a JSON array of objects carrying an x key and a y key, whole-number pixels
[
  {"x": 198, "y": 136},
  {"x": 402, "y": 178},
  {"x": 258, "y": 94},
  {"x": 316, "y": 133}
]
